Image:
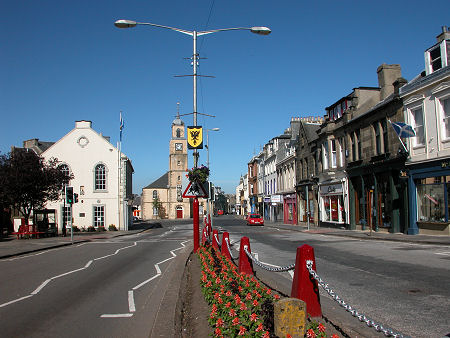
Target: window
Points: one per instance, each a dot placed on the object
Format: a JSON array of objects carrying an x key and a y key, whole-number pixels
[
  {"x": 178, "y": 133},
  {"x": 65, "y": 169},
  {"x": 385, "y": 136},
  {"x": 325, "y": 155},
  {"x": 341, "y": 152},
  {"x": 376, "y": 129},
  {"x": 155, "y": 194},
  {"x": 417, "y": 117},
  {"x": 333, "y": 154},
  {"x": 431, "y": 202},
  {"x": 66, "y": 214},
  {"x": 99, "y": 215},
  {"x": 353, "y": 142},
  {"x": 358, "y": 143},
  {"x": 437, "y": 57},
  {"x": 155, "y": 211},
  {"x": 100, "y": 177},
  {"x": 445, "y": 108}
]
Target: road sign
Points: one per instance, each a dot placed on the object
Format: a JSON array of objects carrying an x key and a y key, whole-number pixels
[{"x": 195, "y": 189}]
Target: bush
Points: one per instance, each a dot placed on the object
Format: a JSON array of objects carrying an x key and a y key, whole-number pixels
[
  {"x": 75, "y": 228},
  {"x": 101, "y": 229},
  {"x": 112, "y": 227},
  {"x": 91, "y": 229}
]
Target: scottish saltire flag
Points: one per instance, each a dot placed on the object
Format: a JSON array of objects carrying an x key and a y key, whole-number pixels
[
  {"x": 122, "y": 125},
  {"x": 403, "y": 130}
]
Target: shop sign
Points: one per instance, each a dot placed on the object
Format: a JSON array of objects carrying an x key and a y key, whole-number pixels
[
  {"x": 266, "y": 199},
  {"x": 276, "y": 199},
  {"x": 332, "y": 189},
  {"x": 259, "y": 199}
]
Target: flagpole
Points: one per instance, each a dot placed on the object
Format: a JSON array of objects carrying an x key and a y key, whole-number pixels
[
  {"x": 398, "y": 136},
  {"x": 119, "y": 163}
]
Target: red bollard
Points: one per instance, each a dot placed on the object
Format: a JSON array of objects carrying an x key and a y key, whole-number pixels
[
  {"x": 245, "y": 263},
  {"x": 224, "y": 248},
  {"x": 215, "y": 238},
  {"x": 304, "y": 286}
]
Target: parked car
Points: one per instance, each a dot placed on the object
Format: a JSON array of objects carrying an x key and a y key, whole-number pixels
[
  {"x": 255, "y": 219},
  {"x": 220, "y": 212}
]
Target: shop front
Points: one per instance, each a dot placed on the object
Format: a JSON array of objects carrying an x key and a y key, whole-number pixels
[
  {"x": 332, "y": 204},
  {"x": 429, "y": 202},
  {"x": 276, "y": 208},
  {"x": 290, "y": 209}
]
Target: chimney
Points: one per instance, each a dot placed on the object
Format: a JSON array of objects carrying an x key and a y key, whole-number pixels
[
  {"x": 400, "y": 82},
  {"x": 387, "y": 74},
  {"x": 445, "y": 35},
  {"x": 83, "y": 124}
]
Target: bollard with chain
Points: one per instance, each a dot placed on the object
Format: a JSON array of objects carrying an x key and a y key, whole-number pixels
[
  {"x": 245, "y": 264},
  {"x": 224, "y": 247},
  {"x": 215, "y": 243},
  {"x": 304, "y": 286}
]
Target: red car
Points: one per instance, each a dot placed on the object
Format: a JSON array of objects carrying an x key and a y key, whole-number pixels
[{"x": 255, "y": 219}]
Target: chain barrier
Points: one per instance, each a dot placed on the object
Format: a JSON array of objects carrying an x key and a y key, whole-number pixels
[
  {"x": 363, "y": 318},
  {"x": 229, "y": 249},
  {"x": 267, "y": 267}
]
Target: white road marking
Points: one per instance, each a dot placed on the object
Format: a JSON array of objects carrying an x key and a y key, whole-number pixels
[
  {"x": 445, "y": 253},
  {"x": 36, "y": 254},
  {"x": 131, "y": 304},
  {"x": 40, "y": 287},
  {"x": 120, "y": 315}
]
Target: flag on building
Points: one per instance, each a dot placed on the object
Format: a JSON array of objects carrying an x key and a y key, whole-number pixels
[
  {"x": 122, "y": 125},
  {"x": 403, "y": 130}
]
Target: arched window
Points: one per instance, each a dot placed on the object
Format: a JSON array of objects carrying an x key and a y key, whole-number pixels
[
  {"x": 64, "y": 169},
  {"x": 178, "y": 132},
  {"x": 155, "y": 194},
  {"x": 100, "y": 177}
]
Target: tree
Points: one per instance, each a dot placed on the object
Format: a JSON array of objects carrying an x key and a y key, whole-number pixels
[
  {"x": 27, "y": 182},
  {"x": 158, "y": 206}
]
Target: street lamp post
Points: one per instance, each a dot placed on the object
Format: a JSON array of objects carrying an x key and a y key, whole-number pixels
[
  {"x": 257, "y": 30},
  {"x": 208, "y": 212}
]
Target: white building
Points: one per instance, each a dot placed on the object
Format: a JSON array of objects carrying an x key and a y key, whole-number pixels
[{"x": 102, "y": 181}]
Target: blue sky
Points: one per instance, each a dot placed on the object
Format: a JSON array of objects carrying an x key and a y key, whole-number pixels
[{"x": 63, "y": 61}]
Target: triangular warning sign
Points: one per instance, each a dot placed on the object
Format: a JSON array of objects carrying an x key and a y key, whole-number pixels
[{"x": 195, "y": 189}]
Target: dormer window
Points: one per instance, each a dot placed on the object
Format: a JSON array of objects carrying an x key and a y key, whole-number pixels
[{"x": 437, "y": 57}]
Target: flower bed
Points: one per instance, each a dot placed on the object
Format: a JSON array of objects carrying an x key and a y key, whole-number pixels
[{"x": 240, "y": 305}]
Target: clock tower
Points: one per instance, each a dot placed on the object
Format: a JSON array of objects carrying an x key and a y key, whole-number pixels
[{"x": 178, "y": 159}]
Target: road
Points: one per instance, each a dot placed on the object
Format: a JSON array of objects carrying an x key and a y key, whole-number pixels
[
  {"x": 104, "y": 288},
  {"x": 400, "y": 285}
]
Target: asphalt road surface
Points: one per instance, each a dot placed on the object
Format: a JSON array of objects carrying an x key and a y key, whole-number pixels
[
  {"x": 400, "y": 285},
  {"x": 105, "y": 288}
]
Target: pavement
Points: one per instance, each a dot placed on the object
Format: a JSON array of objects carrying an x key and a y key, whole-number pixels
[{"x": 11, "y": 247}]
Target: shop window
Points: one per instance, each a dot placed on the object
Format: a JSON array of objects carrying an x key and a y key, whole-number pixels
[{"x": 431, "y": 202}]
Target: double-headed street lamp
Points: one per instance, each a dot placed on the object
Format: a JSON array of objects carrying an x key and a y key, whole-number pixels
[
  {"x": 195, "y": 56},
  {"x": 207, "y": 164},
  {"x": 194, "y": 34}
]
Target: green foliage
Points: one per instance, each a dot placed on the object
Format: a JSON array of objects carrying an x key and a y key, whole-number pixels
[
  {"x": 101, "y": 229},
  {"x": 199, "y": 175},
  {"x": 112, "y": 227},
  {"x": 91, "y": 229},
  {"x": 27, "y": 182},
  {"x": 75, "y": 228}
]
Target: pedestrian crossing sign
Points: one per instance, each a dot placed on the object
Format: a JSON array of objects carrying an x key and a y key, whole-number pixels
[{"x": 195, "y": 137}]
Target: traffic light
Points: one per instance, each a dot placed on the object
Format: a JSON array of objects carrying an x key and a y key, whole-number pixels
[
  {"x": 69, "y": 195},
  {"x": 75, "y": 198},
  {"x": 212, "y": 195}
]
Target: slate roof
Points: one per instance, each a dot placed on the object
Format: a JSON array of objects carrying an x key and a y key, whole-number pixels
[
  {"x": 311, "y": 131},
  {"x": 160, "y": 183}
]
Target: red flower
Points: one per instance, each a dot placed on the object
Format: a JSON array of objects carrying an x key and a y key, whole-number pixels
[
  {"x": 218, "y": 332},
  {"x": 260, "y": 327},
  {"x": 288, "y": 336},
  {"x": 219, "y": 322},
  {"x": 253, "y": 317},
  {"x": 249, "y": 296},
  {"x": 216, "y": 295},
  {"x": 208, "y": 284},
  {"x": 220, "y": 300},
  {"x": 242, "y": 331},
  {"x": 243, "y": 307},
  {"x": 235, "y": 321},
  {"x": 232, "y": 313},
  {"x": 227, "y": 305},
  {"x": 321, "y": 327},
  {"x": 255, "y": 303},
  {"x": 334, "y": 336},
  {"x": 229, "y": 293},
  {"x": 269, "y": 291},
  {"x": 218, "y": 281},
  {"x": 311, "y": 334},
  {"x": 266, "y": 335},
  {"x": 276, "y": 297}
]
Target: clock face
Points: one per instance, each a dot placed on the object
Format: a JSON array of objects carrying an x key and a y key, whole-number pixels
[{"x": 178, "y": 146}]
